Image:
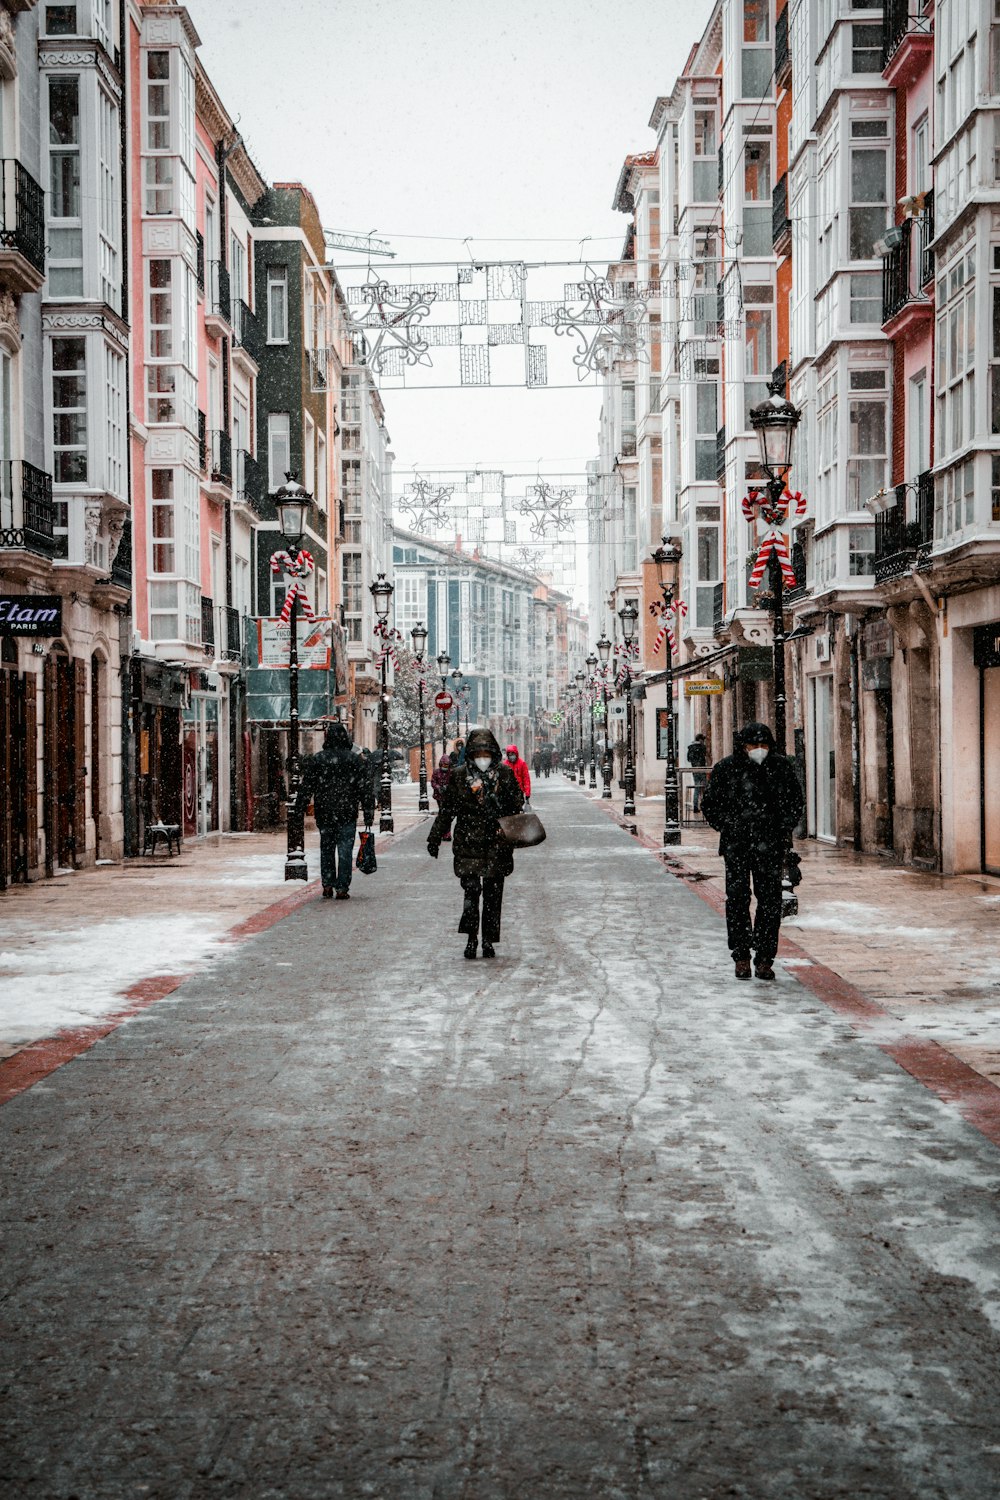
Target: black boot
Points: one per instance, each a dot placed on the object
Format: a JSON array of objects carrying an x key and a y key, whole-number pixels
[
  {"x": 489, "y": 951},
  {"x": 470, "y": 948}
]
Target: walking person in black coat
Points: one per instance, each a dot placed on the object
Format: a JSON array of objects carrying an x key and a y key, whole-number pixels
[
  {"x": 479, "y": 793},
  {"x": 337, "y": 783},
  {"x": 753, "y": 800}
]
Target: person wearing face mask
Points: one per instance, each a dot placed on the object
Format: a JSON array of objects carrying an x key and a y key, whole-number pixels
[
  {"x": 519, "y": 766},
  {"x": 753, "y": 800},
  {"x": 479, "y": 792}
]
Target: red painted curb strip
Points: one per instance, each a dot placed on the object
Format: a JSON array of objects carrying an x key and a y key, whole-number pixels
[
  {"x": 39, "y": 1059},
  {"x": 940, "y": 1071}
]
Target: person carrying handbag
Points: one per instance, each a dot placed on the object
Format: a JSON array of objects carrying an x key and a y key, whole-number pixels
[
  {"x": 337, "y": 783},
  {"x": 479, "y": 793}
]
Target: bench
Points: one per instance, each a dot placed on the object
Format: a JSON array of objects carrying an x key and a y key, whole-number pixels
[{"x": 161, "y": 833}]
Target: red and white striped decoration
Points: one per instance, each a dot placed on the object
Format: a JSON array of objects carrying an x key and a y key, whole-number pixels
[
  {"x": 298, "y": 569},
  {"x": 775, "y": 543},
  {"x": 388, "y": 637}
]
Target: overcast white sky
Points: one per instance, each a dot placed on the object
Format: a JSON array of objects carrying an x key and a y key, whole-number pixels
[{"x": 489, "y": 118}]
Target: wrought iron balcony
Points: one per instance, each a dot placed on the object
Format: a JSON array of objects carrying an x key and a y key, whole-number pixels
[
  {"x": 246, "y": 331},
  {"x": 899, "y": 542},
  {"x": 202, "y": 442},
  {"x": 27, "y": 511},
  {"x": 720, "y": 454},
  {"x": 718, "y": 614},
  {"x": 800, "y": 567},
  {"x": 781, "y": 225},
  {"x": 222, "y": 457},
  {"x": 207, "y": 622},
  {"x": 782, "y": 55},
  {"x": 219, "y": 298},
  {"x": 251, "y": 484},
  {"x": 229, "y": 638},
  {"x": 22, "y": 230},
  {"x": 200, "y": 241},
  {"x": 121, "y": 568},
  {"x": 907, "y": 266},
  {"x": 900, "y": 22}
]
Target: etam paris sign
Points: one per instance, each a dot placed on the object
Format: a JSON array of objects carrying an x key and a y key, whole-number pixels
[{"x": 30, "y": 614}]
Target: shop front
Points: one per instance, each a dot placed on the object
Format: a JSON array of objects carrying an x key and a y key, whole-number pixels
[
  {"x": 986, "y": 657},
  {"x": 160, "y": 696}
]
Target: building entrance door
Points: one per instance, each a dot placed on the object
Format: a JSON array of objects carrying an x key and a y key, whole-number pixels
[
  {"x": 823, "y": 778},
  {"x": 989, "y": 699},
  {"x": 18, "y": 775},
  {"x": 65, "y": 799},
  {"x": 201, "y": 765}
]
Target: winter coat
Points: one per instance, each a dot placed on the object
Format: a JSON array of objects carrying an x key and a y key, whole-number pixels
[
  {"x": 441, "y": 777},
  {"x": 478, "y": 847},
  {"x": 697, "y": 753},
  {"x": 337, "y": 783},
  {"x": 753, "y": 808},
  {"x": 520, "y": 769}
]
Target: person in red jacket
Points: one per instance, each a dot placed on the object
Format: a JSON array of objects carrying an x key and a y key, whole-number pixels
[{"x": 520, "y": 769}]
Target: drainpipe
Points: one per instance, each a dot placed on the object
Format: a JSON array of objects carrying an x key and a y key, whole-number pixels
[{"x": 851, "y": 627}]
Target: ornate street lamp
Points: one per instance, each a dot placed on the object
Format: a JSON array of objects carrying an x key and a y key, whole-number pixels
[
  {"x": 456, "y": 678},
  {"x": 628, "y": 615},
  {"x": 591, "y": 665},
  {"x": 774, "y": 422},
  {"x": 443, "y": 663},
  {"x": 382, "y": 591},
  {"x": 418, "y": 635},
  {"x": 604, "y": 652},
  {"x": 292, "y": 503},
  {"x": 666, "y": 557}
]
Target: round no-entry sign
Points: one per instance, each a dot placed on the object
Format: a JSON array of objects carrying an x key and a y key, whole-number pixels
[{"x": 443, "y": 701}]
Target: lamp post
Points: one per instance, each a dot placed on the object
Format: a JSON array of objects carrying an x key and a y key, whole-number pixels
[
  {"x": 418, "y": 635},
  {"x": 456, "y": 678},
  {"x": 382, "y": 591},
  {"x": 667, "y": 556},
  {"x": 628, "y": 615},
  {"x": 292, "y": 503},
  {"x": 604, "y": 652},
  {"x": 580, "y": 679},
  {"x": 774, "y": 422},
  {"x": 592, "y": 668},
  {"x": 443, "y": 663}
]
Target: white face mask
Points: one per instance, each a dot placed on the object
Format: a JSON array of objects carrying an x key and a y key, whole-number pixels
[
  {"x": 758, "y": 754},
  {"x": 482, "y": 762}
]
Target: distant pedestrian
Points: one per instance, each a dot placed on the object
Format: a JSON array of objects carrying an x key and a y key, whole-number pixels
[
  {"x": 536, "y": 764},
  {"x": 337, "y": 783},
  {"x": 697, "y": 754},
  {"x": 753, "y": 800},
  {"x": 520, "y": 768},
  {"x": 439, "y": 783},
  {"x": 546, "y": 761},
  {"x": 458, "y": 753},
  {"x": 478, "y": 794}
]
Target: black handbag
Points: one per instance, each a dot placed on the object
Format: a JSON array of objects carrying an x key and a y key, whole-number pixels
[
  {"x": 366, "y": 861},
  {"x": 522, "y": 830}
]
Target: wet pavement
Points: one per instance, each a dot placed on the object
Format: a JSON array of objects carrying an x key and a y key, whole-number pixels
[{"x": 346, "y": 1215}]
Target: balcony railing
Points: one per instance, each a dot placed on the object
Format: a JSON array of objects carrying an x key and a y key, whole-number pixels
[
  {"x": 229, "y": 636},
  {"x": 23, "y": 227},
  {"x": 251, "y": 482},
  {"x": 780, "y": 223},
  {"x": 782, "y": 56},
  {"x": 908, "y": 265},
  {"x": 220, "y": 301},
  {"x": 207, "y": 622},
  {"x": 800, "y": 567},
  {"x": 720, "y": 454},
  {"x": 718, "y": 615},
  {"x": 202, "y": 442},
  {"x": 900, "y": 541},
  {"x": 121, "y": 568},
  {"x": 200, "y": 272},
  {"x": 246, "y": 331},
  {"x": 222, "y": 457},
  {"x": 27, "y": 512},
  {"x": 898, "y": 21}
]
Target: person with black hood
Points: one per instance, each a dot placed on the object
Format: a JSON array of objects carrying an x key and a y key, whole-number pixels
[
  {"x": 478, "y": 794},
  {"x": 753, "y": 800},
  {"x": 337, "y": 783}
]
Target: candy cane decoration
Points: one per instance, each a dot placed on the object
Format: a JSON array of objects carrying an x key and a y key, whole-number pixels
[
  {"x": 388, "y": 651},
  {"x": 774, "y": 544},
  {"x": 298, "y": 569}
]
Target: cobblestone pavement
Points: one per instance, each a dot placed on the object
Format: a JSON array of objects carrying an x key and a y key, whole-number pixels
[
  {"x": 923, "y": 946},
  {"x": 349, "y": 1216}
]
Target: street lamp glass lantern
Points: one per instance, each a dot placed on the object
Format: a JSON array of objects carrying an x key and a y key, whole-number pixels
[
  {"x": 292, "y": 503},
  {"x": 444, "y": 662},
  {"x": 382, "y": 592},
  {"x": 457, "y": 675},
  {"x": 668, "y": 555},
  {"x": 629, "y": 615},
  {"x": 604, "y": 650},
  {"x": 774, "y": 422},
  {"x": 418, "y": 635},
  {"x": 592, "y": 663},
  {"x": 580, "y": 677}
]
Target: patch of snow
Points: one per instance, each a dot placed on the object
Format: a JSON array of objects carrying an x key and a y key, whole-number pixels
[
  {"x": 856, "y": 917},
  {"x": 77, "y": 977}
]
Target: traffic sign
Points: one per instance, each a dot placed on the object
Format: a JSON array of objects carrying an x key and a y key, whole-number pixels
[{"x": 443, "y": 701}]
